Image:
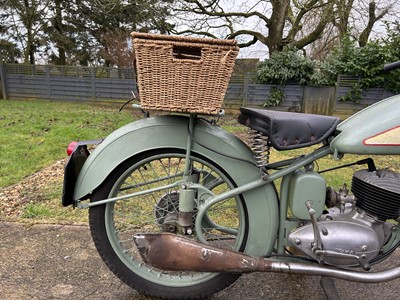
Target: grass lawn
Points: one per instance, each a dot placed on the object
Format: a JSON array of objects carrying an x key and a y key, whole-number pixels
[{"x": 35, "y": 134}]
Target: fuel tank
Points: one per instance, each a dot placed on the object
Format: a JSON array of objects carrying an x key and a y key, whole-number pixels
[{"x": 373, "y": 130}]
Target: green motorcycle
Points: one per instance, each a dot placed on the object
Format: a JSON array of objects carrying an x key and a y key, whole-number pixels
[{"x": 179, "y": 208}]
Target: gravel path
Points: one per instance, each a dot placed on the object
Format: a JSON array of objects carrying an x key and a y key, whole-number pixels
[
  {"x": 14, "y": 198},
  {"x": 60, "y": 262}
]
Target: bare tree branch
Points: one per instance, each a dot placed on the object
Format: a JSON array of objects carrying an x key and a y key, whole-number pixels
[{"x": 372, "y": 19}]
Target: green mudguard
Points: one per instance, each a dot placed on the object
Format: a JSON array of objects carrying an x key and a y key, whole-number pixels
[{"x": 212, "y": 142}]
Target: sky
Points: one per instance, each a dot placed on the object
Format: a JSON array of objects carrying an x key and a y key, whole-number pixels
[{"x": 260, "y": 51}]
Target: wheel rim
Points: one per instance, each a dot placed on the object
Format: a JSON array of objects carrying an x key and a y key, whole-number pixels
[{"x": 223, "y": 225}]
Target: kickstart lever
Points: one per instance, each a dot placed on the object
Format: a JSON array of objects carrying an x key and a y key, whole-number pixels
[{"x": 317, "y": 244}]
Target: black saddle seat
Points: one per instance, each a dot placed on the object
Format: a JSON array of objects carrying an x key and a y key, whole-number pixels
[{"x": 288, "y": 130}]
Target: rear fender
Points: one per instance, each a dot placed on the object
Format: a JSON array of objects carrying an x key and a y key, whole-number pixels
[{"x": 171, "y": 132}]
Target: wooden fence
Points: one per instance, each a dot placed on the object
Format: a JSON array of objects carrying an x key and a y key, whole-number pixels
[
  {"x": 66, "y": 82},
  {"x": 111, "y": 84},
  {"x": 245, "y": 91}
]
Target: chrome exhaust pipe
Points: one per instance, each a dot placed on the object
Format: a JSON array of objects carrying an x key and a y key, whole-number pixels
[{"x": 176, "y": 253}]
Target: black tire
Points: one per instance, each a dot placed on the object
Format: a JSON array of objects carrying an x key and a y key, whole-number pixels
[{"x": 113, "y": 225}]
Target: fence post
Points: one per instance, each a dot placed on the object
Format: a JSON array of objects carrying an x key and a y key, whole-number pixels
[
  {"x": 3, "y": 78},
  {"x": 93, "y": 81},
  {"x": 47, "y": 71},
  {"x": 245, "y": 89}
]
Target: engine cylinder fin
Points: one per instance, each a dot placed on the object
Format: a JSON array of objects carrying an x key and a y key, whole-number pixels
[{"x": 378, "y": 193}]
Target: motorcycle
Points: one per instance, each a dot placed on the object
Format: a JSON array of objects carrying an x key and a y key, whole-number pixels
[{"x": 179, "y": 208}]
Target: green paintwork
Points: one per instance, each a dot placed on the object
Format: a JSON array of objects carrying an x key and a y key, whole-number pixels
[
  {"x": 186, "y": 200},
  {"x": 306, "y": 186},
  {"x": 172, "y": 132},
  {"x": 373, "y": 120}
]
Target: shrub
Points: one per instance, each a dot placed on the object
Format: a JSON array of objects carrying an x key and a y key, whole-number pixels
[
  {"x": 284, "y": 66},
  {"x": 365, "y": 63}
]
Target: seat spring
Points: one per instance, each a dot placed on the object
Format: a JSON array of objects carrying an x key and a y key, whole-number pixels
[{"x": 260, "y": 146}]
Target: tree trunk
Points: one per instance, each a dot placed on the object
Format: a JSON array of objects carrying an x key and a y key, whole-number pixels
[
  {"x": 29, "y": 54},
  {"x": 343, "y": 12},
  {"x": 62, "y": 60},
  {"x": 276, "y": 25},
  {"x": 30, "y": 48}
]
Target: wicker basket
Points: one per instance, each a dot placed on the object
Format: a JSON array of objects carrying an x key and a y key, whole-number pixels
[{"x": 183, "y": 74}]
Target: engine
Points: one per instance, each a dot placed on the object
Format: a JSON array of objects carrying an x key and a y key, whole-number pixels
[
  {"x": 378, "y": 193},
  {"x": 352, "y": 231}
]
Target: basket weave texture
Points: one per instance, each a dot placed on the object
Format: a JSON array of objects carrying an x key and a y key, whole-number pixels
[{"x": 183, "y": 74}]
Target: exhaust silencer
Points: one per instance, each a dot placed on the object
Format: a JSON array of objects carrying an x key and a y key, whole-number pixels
[
  {"x": 173, "y": 252},
  {"x": 177, "y": 253}
]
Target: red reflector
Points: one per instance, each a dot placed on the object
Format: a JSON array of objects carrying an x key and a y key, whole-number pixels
[{"x": 71, "y": 148}]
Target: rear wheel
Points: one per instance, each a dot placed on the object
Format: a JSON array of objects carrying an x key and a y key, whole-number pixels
[{"x": 114, "y": 224}]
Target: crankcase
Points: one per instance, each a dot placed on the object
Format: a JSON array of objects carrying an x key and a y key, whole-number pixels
[{"x": 344, "y": 236}]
